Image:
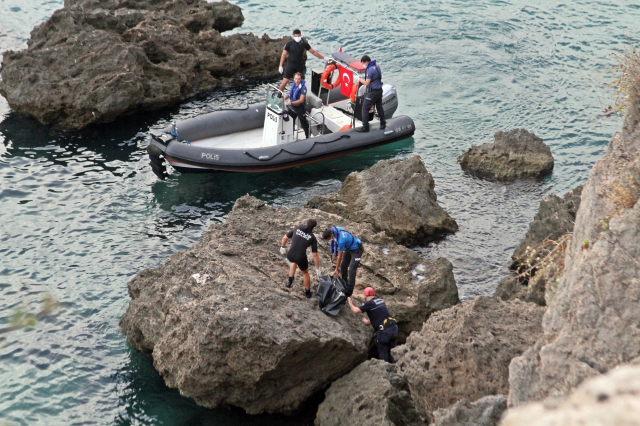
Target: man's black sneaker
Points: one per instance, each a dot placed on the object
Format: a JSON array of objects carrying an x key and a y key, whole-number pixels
[
  {"x": 362, "y": 130},
  {"x": 307, "y": 293},
  {"x": 383, "y": 127},
  {"x": 287, "y": 284}
]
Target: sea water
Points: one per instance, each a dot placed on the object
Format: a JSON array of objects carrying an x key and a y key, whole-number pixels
[{"x": 81, "y": 212}]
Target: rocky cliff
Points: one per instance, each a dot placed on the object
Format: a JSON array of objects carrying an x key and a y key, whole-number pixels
[
  {"x": 591, "y": 325},
  {"x": 93, "y": 61},
  {"x": 222, "y": 328}
]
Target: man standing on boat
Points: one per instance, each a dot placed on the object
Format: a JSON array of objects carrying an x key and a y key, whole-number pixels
[
  {"x": 301, "y": 238},
  {"x": 297, "y": 100},
  {"x": 373, "y": 81},
  {"x": 295, "y": 50},
  {"x": 349, "y": 250}
]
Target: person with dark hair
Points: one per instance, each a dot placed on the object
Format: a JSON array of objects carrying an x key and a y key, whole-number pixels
[
  {"x": 384, "y": 325},
  {"x": 301, "y": 238},
  {"x": 294, "y": 49},
  {"x": 348, "y": 250},
  {"x": 297, "y": 99},
  {"x": 373, "y": 81}
]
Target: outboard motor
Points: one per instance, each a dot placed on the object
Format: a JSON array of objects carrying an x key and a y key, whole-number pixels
[{"x": 389, "y": 100}]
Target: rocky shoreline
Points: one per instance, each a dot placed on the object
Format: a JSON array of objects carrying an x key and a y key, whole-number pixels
[
  {"x": 93, "y": 61},
  {"x": 222, "y": 328}
]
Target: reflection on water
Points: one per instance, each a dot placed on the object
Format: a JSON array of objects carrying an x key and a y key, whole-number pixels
[{"x": 81, "y": 212}]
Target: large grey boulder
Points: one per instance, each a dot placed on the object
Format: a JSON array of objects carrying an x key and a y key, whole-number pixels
[
  {"x": 93, "y": 61},
  {"x": 608, "y": 400},
  {"x": 514, "y": 155},
  {"x": 395, "y": 196},
  {"x": 464, "y": 351},
  {"x": 222, "y": 328},
  {"x": 483, "y": 412},
  {"x": 373, "y": 394},
  {"x": 591, "y": 324}
]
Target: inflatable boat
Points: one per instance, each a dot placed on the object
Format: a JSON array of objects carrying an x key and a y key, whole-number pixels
[{"x": 261, "y": 136}]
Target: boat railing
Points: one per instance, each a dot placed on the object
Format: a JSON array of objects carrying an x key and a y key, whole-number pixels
[{"x": 317, "y": 122}]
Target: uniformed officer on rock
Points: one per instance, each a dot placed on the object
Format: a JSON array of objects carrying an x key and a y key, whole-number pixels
[
  {"x": 301, "y": 238},
  {"x": 349, "y": 250},
  {"x": 384, "y": 325},
  {"x": 373, "y": 81}
]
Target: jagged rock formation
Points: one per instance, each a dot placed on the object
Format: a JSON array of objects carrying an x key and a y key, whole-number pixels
[
  {"x": 395, "y": 196},
  {"x": 233, "y": 335},
  {"x": 464, "y": 351},
  {"x": 555, "y": 219},
  {"x": 93, "y": 61},
  {"x": 591, "y": 325},
  {"x": 514, "y": 155},
  {"x": 612, "y": 399},
  {"x": 483, "y": 412},
  {"x": 373, "y": 394}
]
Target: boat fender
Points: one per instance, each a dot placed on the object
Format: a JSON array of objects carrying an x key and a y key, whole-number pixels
[
  {"x": 354, "y": 92},
  {"x": 345, "y": 127},
  {"x": 327, "y": 76}
]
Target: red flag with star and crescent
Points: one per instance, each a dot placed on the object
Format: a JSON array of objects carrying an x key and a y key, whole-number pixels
[{"x": 346, "y": 81}]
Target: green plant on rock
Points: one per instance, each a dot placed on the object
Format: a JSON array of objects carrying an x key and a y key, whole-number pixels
[
  {"x": 605, "y": 224},
  {"x": 544, "y": 264}
]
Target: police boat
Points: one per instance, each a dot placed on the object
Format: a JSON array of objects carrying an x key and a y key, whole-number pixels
[{"x": 261, "y": 137}]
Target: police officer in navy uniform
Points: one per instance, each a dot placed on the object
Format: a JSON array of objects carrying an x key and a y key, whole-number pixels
[
  {"x": 294, "y": 49},
  {"x": 301, "y": 238},
  {"x": 349, "y": 251},
  {"x": 373, "y": 81},
  {"x": 297, "y": 100},
  {"x": 384, "y": 325}
]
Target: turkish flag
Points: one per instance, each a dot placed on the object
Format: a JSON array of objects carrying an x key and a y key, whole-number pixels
[{"x": 346, "y": 81}]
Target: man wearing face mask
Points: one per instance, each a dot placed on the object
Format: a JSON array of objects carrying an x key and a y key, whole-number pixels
[{"x": 294, "y": 49}]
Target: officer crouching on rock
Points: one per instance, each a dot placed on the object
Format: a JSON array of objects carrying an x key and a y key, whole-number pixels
[
  {"x": 385, "y": 326},
  {"x": 301, "y": 238},
  {"x": 349, "y": 251}
]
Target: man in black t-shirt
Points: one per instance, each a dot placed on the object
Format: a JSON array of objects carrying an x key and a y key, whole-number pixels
[
  {"x": 295, "y": 50},
  {"x": 385, "y": 326},
  {"x": 301, "y": 238}
]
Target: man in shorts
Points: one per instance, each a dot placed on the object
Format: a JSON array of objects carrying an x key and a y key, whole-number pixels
[
  {"x": 301, "y": 238},
  {"x": 295, "y": 49}
]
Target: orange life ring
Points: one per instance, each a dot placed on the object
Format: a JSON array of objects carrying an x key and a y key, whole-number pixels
[
  {"x": 327, "y": 77},
  {"x": 354, "y": 91}
]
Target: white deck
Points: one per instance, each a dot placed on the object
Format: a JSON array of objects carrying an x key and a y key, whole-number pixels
[{"x": 241, "y": 140}]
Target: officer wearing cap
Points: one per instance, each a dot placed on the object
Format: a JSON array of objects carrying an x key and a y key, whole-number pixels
[
  {"x": 294, "y": 49},
  {"x": 385, "y": 326},
  {"x": 373, "y": 81}
]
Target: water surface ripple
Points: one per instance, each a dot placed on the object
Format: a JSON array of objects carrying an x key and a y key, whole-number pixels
[{"x": 81, "y": 212}]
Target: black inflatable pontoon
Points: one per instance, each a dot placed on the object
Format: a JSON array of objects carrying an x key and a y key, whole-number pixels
[{"x": 260, "y": 138}]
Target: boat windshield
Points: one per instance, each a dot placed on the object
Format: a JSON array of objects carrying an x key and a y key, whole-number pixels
[{"x": 274, "y": 102}]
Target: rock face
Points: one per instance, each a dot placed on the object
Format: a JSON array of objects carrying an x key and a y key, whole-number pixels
[
  {"x": 395, "y": 196},
  {"x": 233, "y": 335},
  {"x": 464, "y": 351},
  {"x": 484, "y": 412},
  {"x": 514, "y": 155},
  {"x": 612, "y": 399},
  {"x": 555, "y": 219},
  {"x": 95, "y": 60},
  {"x": 592, "y": 323},
  {"x": 373, "y": 394}
]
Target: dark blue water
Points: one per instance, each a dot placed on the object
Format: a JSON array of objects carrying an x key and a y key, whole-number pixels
[{"x": 81, "y": 212}]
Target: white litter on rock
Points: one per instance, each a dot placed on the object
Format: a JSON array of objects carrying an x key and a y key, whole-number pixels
[{"x": 200, "y": 279}]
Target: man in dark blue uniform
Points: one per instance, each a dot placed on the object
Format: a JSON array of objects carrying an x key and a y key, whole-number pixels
[
  {"x": 385, "y": 326},
  {"x": 294, "y": 49},
  {"x": 373, "y": 81},
  {"x": 349, "y": 250},
  {"x": 301, "y": 238},
  {"x": 297, "y": 99}
]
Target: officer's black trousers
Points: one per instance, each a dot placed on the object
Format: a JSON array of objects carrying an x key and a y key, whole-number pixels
[
  {"x": 371, "y": 98},
  {"x": 298, "y": 111},
  {"x": 385, "y": 341},
  {"x": 349, "y": 266}
]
